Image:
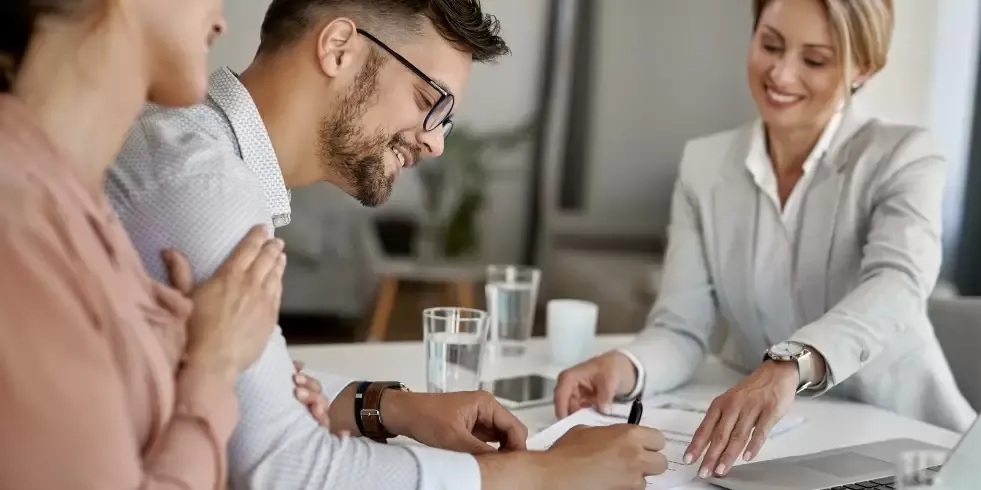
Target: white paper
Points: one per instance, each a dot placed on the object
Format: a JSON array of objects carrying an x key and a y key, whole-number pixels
[{"x": 676, "y": 418}]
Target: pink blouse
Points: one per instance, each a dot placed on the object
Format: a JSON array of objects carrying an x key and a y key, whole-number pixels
[{"x": 92, "y": 393}]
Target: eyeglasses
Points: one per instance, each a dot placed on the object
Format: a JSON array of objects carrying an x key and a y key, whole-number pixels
[{"x": 439, "y": 114}]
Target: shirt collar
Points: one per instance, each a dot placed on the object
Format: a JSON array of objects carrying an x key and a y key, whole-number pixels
[
  {"x": 252, "y": 140},
  {"x": 758, "y": 161}
]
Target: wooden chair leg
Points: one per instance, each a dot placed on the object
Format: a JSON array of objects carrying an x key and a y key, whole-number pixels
[
  {"x": 384, "y": 304},
  {"x": 464, "y": 294}
]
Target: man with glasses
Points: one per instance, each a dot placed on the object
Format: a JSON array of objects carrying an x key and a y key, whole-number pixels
[{"x": 349, "y": 92}]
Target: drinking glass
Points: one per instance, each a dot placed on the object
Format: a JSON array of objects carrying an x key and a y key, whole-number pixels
[
  {"x": 455, "y": 339},
  {"x": 919, "y": 470},
  {"x": 512, "y": 295}
]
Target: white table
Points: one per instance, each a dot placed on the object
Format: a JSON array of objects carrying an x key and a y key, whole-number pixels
[{"x": 830, "y": 423}]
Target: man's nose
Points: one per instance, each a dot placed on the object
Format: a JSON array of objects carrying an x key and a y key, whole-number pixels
[{"x": 432, "y": 142}]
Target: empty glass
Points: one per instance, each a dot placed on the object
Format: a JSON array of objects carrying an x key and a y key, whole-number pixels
[
  {"x": 919, "y": 470},
  {"x": 512, "y": 295},
  {"x": 455, "y": 339}
]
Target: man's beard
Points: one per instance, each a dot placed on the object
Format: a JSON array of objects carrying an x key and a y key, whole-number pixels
[{"x": 347, "y": 151}]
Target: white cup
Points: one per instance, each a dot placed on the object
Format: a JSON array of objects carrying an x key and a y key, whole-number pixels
[{"x": 571, "y": 330}]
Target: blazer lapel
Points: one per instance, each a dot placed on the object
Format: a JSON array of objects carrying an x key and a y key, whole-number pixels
[
  {"x": 819, "y": 213},
  {"x": 734, "y": 202}
]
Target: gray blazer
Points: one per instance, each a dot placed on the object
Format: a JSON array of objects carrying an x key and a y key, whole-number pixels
[{"x": 866, "y": 261}]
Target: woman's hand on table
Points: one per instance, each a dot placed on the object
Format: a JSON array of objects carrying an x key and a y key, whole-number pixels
[
  {"x": 594, "y": 383},
  {"x": 744, "y": 414}
]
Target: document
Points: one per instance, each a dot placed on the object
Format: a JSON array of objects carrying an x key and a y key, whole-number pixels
[{"x": 675, "y": 417}]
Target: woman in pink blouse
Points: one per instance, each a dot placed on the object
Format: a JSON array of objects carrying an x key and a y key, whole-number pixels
[{"x": 107, "y": 379}]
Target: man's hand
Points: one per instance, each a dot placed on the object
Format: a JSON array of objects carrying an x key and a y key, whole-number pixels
[
  {"x": 754, "y": 406},
  {"x": 594, "y": 383},
  {"x": 617, "y": 457},
  {"x": 464, "y": 421},
  {"x": 309, "y": 392}
]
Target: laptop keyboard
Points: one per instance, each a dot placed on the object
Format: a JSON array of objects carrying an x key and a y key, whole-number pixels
[{"x": 887, "y": 483}]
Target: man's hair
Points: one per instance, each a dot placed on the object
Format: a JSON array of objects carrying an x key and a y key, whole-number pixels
[{"x": 461, "y": 22}]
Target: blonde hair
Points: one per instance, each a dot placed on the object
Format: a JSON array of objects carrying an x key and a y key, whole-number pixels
[{"x": 863, "y": 29}]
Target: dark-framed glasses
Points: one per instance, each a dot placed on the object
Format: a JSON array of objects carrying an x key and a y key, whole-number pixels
[{"x": 439, "y": 113}]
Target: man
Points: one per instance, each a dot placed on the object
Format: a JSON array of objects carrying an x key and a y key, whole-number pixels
[{"x": 349, "y": 92}]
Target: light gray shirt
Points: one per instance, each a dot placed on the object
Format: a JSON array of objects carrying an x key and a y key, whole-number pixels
[{"x": 197, "y": 179}]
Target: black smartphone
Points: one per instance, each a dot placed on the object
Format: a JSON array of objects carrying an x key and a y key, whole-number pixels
[{"x": 522, "y": 391}]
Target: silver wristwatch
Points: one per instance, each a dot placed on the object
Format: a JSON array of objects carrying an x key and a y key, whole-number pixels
[{"x": 794, "y": 352}]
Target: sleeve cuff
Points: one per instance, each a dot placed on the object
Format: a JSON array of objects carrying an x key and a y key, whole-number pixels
[
  {"x": 445, "y": 470},
  {"x": 639, "y": 368}
]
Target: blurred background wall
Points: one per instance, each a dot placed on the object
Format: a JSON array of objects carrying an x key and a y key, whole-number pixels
[{"x": 616, "y": 88}]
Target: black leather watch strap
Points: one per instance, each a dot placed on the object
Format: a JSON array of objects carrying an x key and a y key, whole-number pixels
[{"x": 359, "y": 403}]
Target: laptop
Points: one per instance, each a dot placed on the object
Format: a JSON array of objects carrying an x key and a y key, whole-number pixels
[{"x": 868, "y": 466}]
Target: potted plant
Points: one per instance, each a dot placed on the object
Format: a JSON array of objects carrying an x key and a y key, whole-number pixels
[{"x": 455, "y": 184}]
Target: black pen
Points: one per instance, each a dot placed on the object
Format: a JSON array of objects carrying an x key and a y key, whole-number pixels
[{"x": 636, "y": 410}]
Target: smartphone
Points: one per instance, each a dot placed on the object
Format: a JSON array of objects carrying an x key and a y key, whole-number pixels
[{"x": 522, "y": 391}]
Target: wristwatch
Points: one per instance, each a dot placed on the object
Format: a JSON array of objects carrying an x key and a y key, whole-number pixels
[
  {"x": 795, "y": 352},
  {"x": 367, "y": 408}
]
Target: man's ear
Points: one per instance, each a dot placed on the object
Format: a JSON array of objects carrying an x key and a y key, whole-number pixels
[{"x": 337, "y": 46}]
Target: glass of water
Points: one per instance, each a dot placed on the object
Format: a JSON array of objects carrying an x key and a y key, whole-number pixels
[
  {"x": 512, "y": 296},
  {"x": 455, "y": 339},
  {"x": 919, "y": 470}
]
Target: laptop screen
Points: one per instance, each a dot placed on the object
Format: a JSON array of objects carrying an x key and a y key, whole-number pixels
[{"x": 962, "y": 471}]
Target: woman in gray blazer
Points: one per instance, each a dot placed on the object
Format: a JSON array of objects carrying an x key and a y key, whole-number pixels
[{"x": 810, "y": 236}]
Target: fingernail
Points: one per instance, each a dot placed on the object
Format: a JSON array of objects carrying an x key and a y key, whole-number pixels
[
  {"x": 280, "y": 243},
  {"x": 606, "y": 409},
  {"x": 688, "y": 458},
  {"x": 721, "y": 469},
  {"x": 748, "y": 455},
  {"x": 703, "y": 473},
  {"x": 302, "y": 394},
  {"x": 300, "y": 379}
]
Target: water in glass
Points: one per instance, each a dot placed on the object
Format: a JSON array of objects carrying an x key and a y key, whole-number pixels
[
  {"x": 512, "y": 295},
  {"x": 455, "y": 339},
  {"x": 454, "y": 361}
]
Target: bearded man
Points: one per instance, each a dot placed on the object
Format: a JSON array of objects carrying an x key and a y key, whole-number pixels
[{"x": 349, "y": 92}]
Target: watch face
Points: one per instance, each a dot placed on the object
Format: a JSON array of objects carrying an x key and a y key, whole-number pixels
[{"x": 787, "y": 349}]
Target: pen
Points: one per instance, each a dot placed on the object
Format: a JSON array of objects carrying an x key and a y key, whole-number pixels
[{"x": 636, "y": 410}]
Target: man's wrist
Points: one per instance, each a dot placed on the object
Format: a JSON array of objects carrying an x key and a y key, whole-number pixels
[
  {"x": 392, "y": 409},
  {"x": 341, "y": 411},
  {"x": 524, "y": 470}
]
